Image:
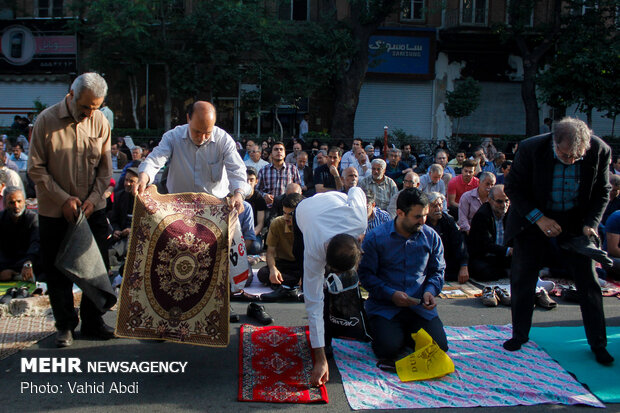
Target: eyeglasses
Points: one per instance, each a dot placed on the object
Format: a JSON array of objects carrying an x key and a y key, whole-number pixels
[
  {"x": 501, "y": 201},
  {"x": 408, "y": 181}
]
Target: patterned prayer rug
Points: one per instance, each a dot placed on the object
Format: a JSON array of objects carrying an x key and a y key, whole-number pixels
[
  {"x": 275, "y": 364},
  {"x": 18, "y": 333},
  {"x": 175, "y": 285},
  {"x": 485, "y": 375}
]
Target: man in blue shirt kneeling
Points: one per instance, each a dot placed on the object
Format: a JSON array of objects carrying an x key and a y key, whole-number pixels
[{"x": 403, "y": 269}]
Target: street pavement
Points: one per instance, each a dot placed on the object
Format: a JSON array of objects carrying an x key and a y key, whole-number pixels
[{"x": 210, "y": 382}]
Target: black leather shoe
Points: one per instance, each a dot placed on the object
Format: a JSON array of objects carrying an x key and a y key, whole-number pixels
[
  {"x": 64, "y": 338},
  {"x": 258, "y": 312},
  {"x": 102, "y": 332},
  {"x": 281, "y": 294}
]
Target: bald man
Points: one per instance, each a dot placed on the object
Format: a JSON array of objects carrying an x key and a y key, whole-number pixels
[
  {"x": 350, "y": 178},
  {"x": 203, "y": 158}
]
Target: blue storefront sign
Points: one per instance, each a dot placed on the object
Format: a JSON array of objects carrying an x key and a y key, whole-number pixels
[{"x": 411, "y": 54}]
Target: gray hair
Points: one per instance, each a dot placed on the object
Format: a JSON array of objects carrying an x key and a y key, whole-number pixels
[
  {"x": 380, "y": 162},
  {"x": 434, "y": 195},
  {"x": 10, "y": 190},
  {"x": 323, "y": 152},
  {"x": 369, "y": 147},
  {"x": 396, "y": 151},
  {"x": 575, "y": 132},
  {"x": 4, "y": 176},
  {"x": 89, "y": 81},
  {"x": 486, "y": 175},
  {"x": 436, "y": 168}
]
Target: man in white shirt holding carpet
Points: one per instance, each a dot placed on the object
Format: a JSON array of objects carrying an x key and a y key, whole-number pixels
[{"x": 203, "y": 158}]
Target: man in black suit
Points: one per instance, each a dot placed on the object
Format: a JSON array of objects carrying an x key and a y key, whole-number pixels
[
  {"x": 305, "y": 174},
  {"x": 489, "y": 257},
  {"x": 558, "y": 188}
]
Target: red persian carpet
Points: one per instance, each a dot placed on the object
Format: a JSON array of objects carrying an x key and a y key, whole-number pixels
[
  {"x": 175, "y": 286},
  {"x": 275, "y": 364}
]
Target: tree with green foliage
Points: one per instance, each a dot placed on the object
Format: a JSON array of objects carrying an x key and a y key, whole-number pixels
[
  {"x": 294, "y": 62},
  {"x": 209, "y": 50},
  {"x": 463, "y": 100},
  {"x": 585, "y": 70}
]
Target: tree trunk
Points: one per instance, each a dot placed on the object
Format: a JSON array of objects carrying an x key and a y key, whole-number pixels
[
  {"x": 531, "y": 60},
  {"x": 133, "y": 92},
  {"x": 613, "y": 126},
  {"x": 167, "y": 100},
  {"x": 530, "y": 101},
  {"x": 349, "y": 83},
  {"x": 347, "y": 93},
  {"x": 589, "y": 116}
]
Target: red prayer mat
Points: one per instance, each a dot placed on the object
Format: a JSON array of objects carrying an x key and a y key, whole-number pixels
[{"x": 275, "y": 364}]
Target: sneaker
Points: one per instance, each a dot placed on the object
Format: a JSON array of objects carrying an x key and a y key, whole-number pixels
[
  {"x": 547, "y": 285},
  {"x": 489, "y": 297},
  {"x": 502, "y": 295},
  {"x": 543, "y": 300}
]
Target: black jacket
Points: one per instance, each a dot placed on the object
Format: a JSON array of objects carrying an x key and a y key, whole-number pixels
[
  {"x": 483, "y": 234},
  {"x": 455, "y": 251},
  {"x": 528, "y": 185},
  {"x": 309, "y": 178},
  {"x": 19, "y": 240}
]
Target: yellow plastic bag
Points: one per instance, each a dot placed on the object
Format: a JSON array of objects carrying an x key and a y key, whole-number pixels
[{"x": 427, "y": 362}]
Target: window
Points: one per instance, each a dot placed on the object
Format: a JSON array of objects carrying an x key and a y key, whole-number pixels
[
  {"x": 474, "y": 12},
  {"x": 529, "y": 23},
  {"x": 49, "y": 8},
  {"x": 412, "y": 10},
  {"x": 294, "y": 10}
]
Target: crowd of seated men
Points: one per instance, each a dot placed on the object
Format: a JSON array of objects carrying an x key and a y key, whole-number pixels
[{"x": 465, "y": 192}]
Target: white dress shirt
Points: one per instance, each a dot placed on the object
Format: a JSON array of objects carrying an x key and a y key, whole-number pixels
[
  {"x": 347, "y": 160},
  {"x": 214, "y": 167},
  {"x": 320, "y": 218}
]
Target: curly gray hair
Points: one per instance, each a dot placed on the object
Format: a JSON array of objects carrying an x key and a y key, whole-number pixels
[{"x": 575, "y": 132}]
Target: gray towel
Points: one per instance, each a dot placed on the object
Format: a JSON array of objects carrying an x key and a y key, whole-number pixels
[{"x": 80, "y": 260}]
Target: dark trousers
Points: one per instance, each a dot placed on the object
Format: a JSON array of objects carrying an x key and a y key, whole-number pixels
[
  {"x": 290, "y": 271},
  {"x": 391, "y": 336},
  {"x": 528, "y": 257},
  {"x": 489, "y": 268},
  {"x": 52, "y": 232}
]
